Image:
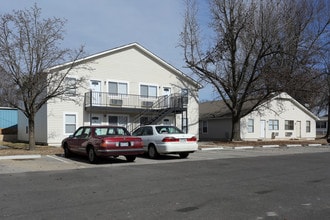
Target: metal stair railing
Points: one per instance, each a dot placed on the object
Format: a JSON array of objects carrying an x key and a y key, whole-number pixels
[
  {"x": 147, "y": 111},
  {"x": 164, "y": 103}
]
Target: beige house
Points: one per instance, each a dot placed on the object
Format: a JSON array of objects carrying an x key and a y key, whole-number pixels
[
  {"x": 126, "y": 86},
  {"x": 281, "y": 118}
]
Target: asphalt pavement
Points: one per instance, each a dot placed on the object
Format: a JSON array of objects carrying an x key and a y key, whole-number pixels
[{"x": 33, "y": 163}]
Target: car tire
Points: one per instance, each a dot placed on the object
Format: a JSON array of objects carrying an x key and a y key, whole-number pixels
[
  {"x": 130, "y": 158},
  {"x": 67, "y": 152},
  {"x": 92, "y": 158},
  {"x": 152, "y": 152},
  {"x": 183, "y": 155}
]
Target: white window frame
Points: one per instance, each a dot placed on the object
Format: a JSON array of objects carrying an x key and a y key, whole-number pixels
[
  {"x": 118, "y": 82},
  {"x": 250, "y": 126},
  {"x": 308, "y": 126},
  {"x": 271, "y": 123},
  {"x": 148, "y": 85},
  {"x": 70, "y": 92},
  {"x": 64, "y": 121},
  {"x": 287, "y": 125}
]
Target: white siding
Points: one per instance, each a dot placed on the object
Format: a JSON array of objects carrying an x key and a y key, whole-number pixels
[
  {"x": 133, "y": 66},
  {"x": 279, "y": 110}
]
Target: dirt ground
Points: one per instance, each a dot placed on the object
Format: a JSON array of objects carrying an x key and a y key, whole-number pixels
[
  {"x": 20, "y": 148},
  {"x": 8, "y": 148}
]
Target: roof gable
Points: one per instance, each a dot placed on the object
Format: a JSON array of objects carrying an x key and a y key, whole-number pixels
[{"x": 143, "y": 51}]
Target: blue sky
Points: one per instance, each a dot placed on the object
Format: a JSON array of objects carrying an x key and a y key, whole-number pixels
[{"x": 100, "y": 25}]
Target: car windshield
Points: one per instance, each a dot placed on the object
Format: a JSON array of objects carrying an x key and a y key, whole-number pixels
[
  {"x": 106, "y": 131},
  {"x": 168, "y": 130}
]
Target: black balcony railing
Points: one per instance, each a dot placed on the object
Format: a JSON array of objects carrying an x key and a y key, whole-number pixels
[{"x": 103, "y": 99}]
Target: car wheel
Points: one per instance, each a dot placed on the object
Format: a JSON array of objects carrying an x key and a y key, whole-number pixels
[
  {"x": 92, "y": 156},
  {"x": 130, "y": 158},
  {"x": 67, "y": 152},
  {"x": 152, "y": 152},
  {"x": 183, "y": 155}
]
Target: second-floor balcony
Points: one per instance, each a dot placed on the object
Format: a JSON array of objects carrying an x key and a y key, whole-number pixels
[{"x": 103, "y": 100}]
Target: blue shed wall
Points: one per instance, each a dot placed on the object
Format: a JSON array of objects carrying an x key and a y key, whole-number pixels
[{"x": 8, "y": 117}]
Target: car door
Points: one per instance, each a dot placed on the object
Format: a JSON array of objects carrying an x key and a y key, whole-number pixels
[
  {"x": 78, "y": 139},
  {"x": 147, "y": 136}
]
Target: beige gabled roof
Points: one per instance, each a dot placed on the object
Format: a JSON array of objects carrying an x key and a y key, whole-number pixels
[{"x": 143, "y": 51}]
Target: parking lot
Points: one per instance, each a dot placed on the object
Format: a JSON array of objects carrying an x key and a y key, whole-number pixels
[{"x": 58, "y": 162}]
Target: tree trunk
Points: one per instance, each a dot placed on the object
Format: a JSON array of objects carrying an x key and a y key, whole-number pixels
[
  {"x": 32, "y": 141},
  {"x": 236, "y": 129}
]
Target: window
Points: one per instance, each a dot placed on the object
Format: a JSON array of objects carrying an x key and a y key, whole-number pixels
[
  {"x": 118, "y": 88},
  {"x": 70, "y": 86},
  {"x": 185, "y": 125},
  {"x": 289, "y": 125},
  {"x": 321, "y": 124},
  {"x": 273, "y": 125},
  {"x": 308, "y": 126},
  {"x": 70, "y": 123},
  {"x": 250, "y": 125},
  {"x": 120, "y": 120},
  {"x": 148, "y": 91},
  {"x": 204, "y": 127}
]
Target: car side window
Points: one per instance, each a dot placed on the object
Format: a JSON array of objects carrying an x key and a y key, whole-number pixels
[
  {"x": 86, "y": 133},
  {"x": 148, "y": 131},
  {"x": 78, "y": 133},
  {"x": 138, "y": 132}
]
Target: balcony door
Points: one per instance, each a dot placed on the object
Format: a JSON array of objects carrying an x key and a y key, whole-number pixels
[
  {"x": 95, "y": 86},
  {"x": 166, "y": 94}
]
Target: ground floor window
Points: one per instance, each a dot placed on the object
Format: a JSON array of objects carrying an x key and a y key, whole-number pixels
[
  {"x": 204, "y": 127},
  {"x": 118, "y": 120},
  {"x": 321, "y": 124},
  {"x": 308, "y": 126},
  {"x": 70, "y": 123},
  {"x": 250, "y": 125},
  {"x": 289, "y": 125},
  {"x": 273, "y": 125}
]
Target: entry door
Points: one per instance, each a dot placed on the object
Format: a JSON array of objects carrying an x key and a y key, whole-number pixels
[
  {"x": 96, "y": 92},
  {"x": 262, "y": 129},
  {"x": 166, "y": 93},
  {"x": 298, "y": 129}
]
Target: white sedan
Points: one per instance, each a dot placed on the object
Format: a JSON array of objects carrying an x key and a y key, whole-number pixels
[{"x": 166, "y": 139}]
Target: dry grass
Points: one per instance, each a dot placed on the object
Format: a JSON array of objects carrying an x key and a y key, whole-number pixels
[{"x": 21, "y": 149}]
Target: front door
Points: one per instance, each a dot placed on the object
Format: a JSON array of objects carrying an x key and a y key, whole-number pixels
[
  {"x": 298, "y": 129},
  {"x": 95, "y": 86},
  {"x": 262, "y": 129}
]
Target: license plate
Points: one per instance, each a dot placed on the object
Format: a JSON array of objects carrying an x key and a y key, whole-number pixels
[
  {"x": 123, "y": 144},
  {"x": 183, "y": 140}
]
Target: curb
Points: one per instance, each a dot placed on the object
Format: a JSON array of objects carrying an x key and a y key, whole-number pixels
[
  {"x": 20, "y": 157},
  {"x": 263, "y": 146}
]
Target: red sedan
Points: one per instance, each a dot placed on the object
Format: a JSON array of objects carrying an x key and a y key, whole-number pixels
[{"x": 102, "y": 141}]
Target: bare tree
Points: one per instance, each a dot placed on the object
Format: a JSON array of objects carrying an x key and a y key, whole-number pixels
[
  {"x": 255, "y": 49},
  {"x": 29, "y": 48}
]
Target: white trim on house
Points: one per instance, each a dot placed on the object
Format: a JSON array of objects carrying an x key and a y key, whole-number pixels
[{"x": 64, "y": 121}]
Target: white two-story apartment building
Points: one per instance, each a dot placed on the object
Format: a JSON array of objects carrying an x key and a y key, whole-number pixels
[{"x": 126, "y": 86}]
